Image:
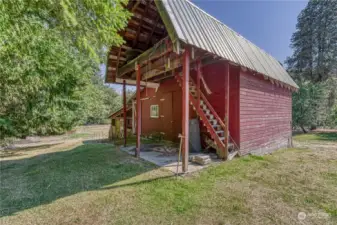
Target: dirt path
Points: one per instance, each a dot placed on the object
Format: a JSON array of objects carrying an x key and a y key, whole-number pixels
[{"x": 34, "y": 146}]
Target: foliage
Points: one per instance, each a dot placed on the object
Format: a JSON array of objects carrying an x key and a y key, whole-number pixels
[
  {"x": 314, "y": 65},
  {"x": 100, "y": 101},
  {"x": 49, "y": 52},
  {"x": 305, "y": 103},
  {"x": 89, "y": 24},
  {"x": 315, "y": 42}
]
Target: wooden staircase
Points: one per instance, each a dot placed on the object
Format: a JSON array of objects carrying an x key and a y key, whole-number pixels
[{"x": 215, "y": 126}]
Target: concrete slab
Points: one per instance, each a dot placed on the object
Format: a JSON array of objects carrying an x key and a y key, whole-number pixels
[{"x": 169, "y": 162}]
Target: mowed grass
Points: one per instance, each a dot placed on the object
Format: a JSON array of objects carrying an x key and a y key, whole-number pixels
[
  {"x": 316, "y": 137},
  {"x": 98, "y": 184}
]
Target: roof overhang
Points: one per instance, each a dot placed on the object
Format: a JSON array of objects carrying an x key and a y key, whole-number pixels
[{"x": 183, "y": 23}]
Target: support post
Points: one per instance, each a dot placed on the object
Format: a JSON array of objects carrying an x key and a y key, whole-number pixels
[
  {"x": 227, "y": 109},
  {"x": 133, "y": 117},
  {"x": 198, "y": 82},
  {"x": 137, "y": 152},
  {"x": 124, "y": 111},
  {"x": 186, "y": 107}
]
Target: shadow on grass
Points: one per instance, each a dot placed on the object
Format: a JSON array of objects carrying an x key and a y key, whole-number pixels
[
  {"x": 138, "y": 182},
  {"x": 131, "y": 140},
  {"x": 18, "y": 151},
  {"x": 30, "y": 182}
]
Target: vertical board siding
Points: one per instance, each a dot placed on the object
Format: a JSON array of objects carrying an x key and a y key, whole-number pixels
[
  {"x": 214, "y": 75},
  {"x": 265, "y": 115},
  {"x": 168, "y": 98},
  {"x": 234, "y": 106}
]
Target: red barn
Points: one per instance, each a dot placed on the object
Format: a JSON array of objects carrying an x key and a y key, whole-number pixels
[{"x": 193, "y": 66}]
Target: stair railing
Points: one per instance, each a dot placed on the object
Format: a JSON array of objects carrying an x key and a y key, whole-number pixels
[{"x": 216, "y": 116}]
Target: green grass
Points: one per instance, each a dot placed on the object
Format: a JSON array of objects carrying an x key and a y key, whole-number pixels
[
  {"x": 316, "y": 137},
  {"x": 131, "y": 140},
  {"x": 79, "y": 135},
  {"x": 98, "y": 184},
  {"x": 30, "y": 182}
]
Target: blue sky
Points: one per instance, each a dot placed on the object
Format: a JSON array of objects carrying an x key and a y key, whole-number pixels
[{"x": 267, "y": 23}]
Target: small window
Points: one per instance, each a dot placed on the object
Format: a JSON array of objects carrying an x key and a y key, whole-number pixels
[{"x": 154, "y": 111}]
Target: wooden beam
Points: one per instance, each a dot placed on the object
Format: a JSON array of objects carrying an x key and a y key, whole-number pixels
[
  {"x": 137, "y": 151},
  {"x": 157, "y": 69},
  {"x": 140, "y": 24},
  {"x": 147, "y": 68},
  {"x": 133, "y": 117},
  {"x": 124, "y": 110},
  {"x": 186, "y": 107},
  {"x": 152, "y": 31},
  {"x": 118, "y": 59},
  {"x": 227, "y": 109},
  {"x": 175, "y": 64},
  {"x": 135, "y": 5},
  {"x": 156, "y": 52},
  {"x": 125, "y": 47},
  {"x": 134, "y": 83},
  {"x": 198, "y": 82}
]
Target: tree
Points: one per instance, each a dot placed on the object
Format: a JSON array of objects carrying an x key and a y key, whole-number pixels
[
  {"x": 313, "y": 64},
  {"x": 49, "y": 51},
  {"x": 315, "y": 42},
  {"x": 101, "y": 101},
  {"x": 305, "y": 102}
]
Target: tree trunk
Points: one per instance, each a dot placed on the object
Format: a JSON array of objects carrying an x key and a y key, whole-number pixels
[{"x": 303, "y": 129}]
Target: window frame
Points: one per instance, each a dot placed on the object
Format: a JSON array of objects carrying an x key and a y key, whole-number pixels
[{"x": 151, "y": 110}]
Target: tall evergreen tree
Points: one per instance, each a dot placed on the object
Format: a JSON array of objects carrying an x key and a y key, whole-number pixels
[
  {"x": 314, "y": 64},
  {"x": 315, "y": 42}
]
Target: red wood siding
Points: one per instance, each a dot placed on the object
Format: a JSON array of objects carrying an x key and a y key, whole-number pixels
[
  {"x": 214, "y": 75},
  {"x": 168, "y": 98},
  {"x": 234, "y": 106},
  {"x": 265, "y": 115}
]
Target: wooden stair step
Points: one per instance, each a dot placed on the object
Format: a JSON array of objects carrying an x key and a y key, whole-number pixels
[
  {"x": 211, "y": 116},
  {"x": 232, "y": 154},
  {"x": 219, "y": 131},
  {"x": 214, "y": 121}
]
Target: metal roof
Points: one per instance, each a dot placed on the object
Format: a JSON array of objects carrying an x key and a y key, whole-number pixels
[{"x": 194, "y": 26}]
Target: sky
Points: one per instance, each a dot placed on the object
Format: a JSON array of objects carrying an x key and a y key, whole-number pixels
[{"x": 267, "y": 23}]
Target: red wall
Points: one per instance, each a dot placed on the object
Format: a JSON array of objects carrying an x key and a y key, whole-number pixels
[
  {"x": 214, "y": 75},
  {"x": 168, "y": 98},
  {"x": 259, "y": 111},
  {"x": 265, "y": 115}
]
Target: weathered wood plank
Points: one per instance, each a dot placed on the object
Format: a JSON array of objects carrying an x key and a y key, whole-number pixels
[{"x": 157, "y": 51}]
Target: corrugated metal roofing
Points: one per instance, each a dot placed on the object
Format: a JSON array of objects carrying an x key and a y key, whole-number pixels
[{"x": 194, "y": 26}]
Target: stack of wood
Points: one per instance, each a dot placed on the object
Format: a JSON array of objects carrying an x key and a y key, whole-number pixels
[{"x": 201, "y": 159}]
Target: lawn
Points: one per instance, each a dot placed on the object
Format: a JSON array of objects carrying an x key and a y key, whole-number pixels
[
  {"x": 316, "y": 137},
  {"x": 98, "y": 184}
]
